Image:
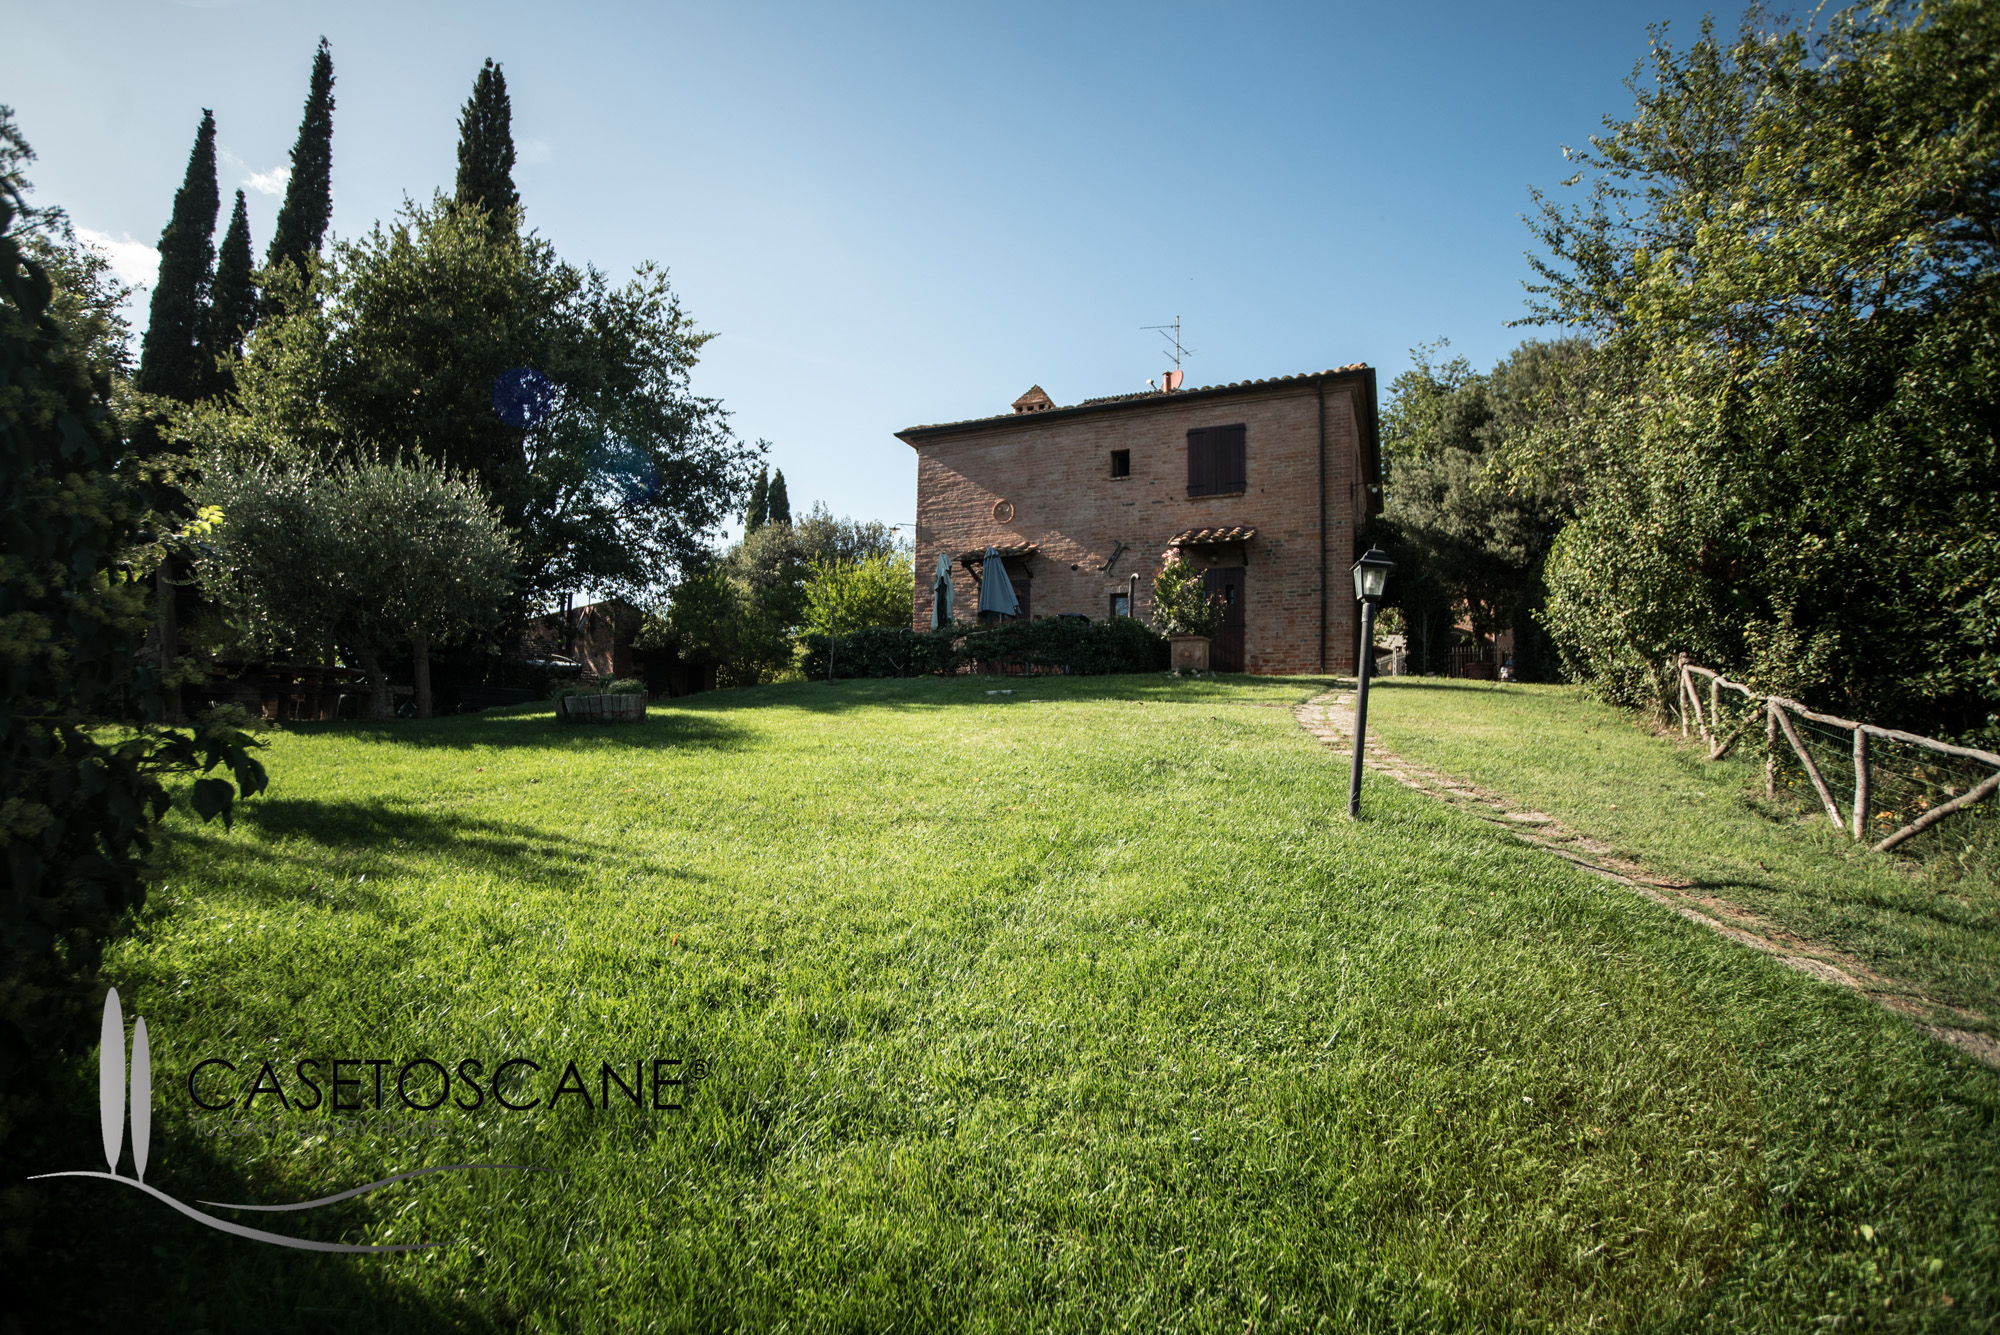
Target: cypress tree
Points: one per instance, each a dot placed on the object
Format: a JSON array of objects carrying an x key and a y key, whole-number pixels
[
  {"x": 308, "y": 205},
  {"x": 779, "y": 508},
  {"x": 486, "y": 147},
  {"x": 167, "y": 362},
  {"x": 232, "y": 305},
  {"x": 760, "y": 492}
]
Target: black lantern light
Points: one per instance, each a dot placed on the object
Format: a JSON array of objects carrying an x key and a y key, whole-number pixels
[{"x": 1371, "y": 577}]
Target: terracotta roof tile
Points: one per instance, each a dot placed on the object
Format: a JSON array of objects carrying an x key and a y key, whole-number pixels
[
  {"x": 1191, "y": 391},
  {"x": 1209, "y": 537}
]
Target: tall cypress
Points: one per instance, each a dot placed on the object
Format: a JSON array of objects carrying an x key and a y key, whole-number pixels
[
  {"x": 167, "y": 356},
  {"x": 486, "y": 147},
  {"x": 759, "y": 508},
  {"x": 308, "y": 206},
  {"x": 232, "y": 303},
  {"x": 779, "y": 507}
]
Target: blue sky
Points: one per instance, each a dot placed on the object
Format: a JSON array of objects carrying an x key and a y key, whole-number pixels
[{"x": 898, "y": 213}]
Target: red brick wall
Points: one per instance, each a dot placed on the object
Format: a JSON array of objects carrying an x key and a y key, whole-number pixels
[{"x": 1056, "y": 477}]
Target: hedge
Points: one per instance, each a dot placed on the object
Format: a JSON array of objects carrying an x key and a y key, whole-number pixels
[{"x": 1070, "y": 644}]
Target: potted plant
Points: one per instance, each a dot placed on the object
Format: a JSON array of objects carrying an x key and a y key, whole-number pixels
[{"x": 1184, "y": 610}]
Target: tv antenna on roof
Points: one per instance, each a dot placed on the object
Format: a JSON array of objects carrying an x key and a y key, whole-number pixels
[
  {"x": 1171, "y": 380},
  {"x": 1173, "y": 339}
]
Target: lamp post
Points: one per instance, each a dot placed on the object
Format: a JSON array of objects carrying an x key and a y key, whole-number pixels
[{"x": 1371, "y": 575}]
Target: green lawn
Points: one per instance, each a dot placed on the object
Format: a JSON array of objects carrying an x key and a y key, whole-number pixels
[
  {"x": 1669, "y": 808},
  {"x": 1082, "y": 1007}
]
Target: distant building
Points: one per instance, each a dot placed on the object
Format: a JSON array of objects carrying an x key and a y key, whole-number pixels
[
  {"x": 1265, "y": 483},
  {"x": 598, "y": 636}
]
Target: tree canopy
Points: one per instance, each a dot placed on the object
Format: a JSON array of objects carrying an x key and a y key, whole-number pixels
[
  {"x": 232, "y": 304},
  {"x": 843, "y": 595},
  {"x": 486, "y": 148},
  {"x": 169, "y": 362},
  {"x": 758, "y": 512},
  {"x": 308, "y": 206},
  {"x": 1783, "y": 442},
  {"x": 778, "y": 502},
  {"x": 396, "y": 342},
  {"x": 1464, "y": 534}
]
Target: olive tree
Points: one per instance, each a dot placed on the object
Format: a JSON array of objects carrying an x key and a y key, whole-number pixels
[{"x": 357, "y": 558}]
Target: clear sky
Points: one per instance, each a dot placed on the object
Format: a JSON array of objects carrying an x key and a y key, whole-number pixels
[{"x": 894, "y": 214}]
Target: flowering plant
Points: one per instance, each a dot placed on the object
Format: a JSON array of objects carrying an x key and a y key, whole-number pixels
[{"x": 1182, "y": 604}]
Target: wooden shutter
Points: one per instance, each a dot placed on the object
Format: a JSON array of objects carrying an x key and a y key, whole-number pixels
[
  {"x": 1229, "y": 472},
  {"x": 1201, "y": 463},
  {"x": 1215, "y": 460}
]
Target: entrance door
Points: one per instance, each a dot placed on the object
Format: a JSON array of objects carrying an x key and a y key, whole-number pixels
[{"x": 1225, "y": 653}]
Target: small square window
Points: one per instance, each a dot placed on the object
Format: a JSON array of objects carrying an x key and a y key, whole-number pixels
[
  {"x": 1121, "y": 604},
  {"x": 1121, "y": 463}
]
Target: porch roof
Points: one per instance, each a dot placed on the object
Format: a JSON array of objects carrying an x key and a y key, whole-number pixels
[{"x": 1211, "y": 537}]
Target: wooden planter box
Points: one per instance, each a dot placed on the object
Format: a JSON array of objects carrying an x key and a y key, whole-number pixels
[
  {"x": 1190, "y": 653},
  {"x": 601, "y": 708}
]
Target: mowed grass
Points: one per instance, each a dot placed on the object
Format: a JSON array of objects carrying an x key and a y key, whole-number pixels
[
  {"x": 1667, "y": 806},
  {"x": 1078, "y": 1008}
]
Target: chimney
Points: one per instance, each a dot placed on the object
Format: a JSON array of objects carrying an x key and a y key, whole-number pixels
[{"x": 1034, "y": 401}]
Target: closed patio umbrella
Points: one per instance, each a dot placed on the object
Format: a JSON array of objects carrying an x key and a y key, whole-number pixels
[
  {"x": 941, "y": 592},
  {"x": 996, "y": 591}
]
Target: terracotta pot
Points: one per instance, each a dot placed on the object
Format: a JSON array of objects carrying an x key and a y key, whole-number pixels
[
  {"x": 601, "y": 708},
  {"x": 1190, "y": 653}
]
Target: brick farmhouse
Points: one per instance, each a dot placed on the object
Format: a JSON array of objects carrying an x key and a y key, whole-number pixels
[{"x": 1265, "y": 483}]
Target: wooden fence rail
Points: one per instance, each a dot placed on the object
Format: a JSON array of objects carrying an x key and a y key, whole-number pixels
[{"x": 1778, "y": 712}]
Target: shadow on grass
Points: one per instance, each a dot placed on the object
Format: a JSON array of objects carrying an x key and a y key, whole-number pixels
[
  {"x": 535, "y": 725},
  {"x": 959, "y": 691},
  {"x": 317, "y": 851},
  {"x": 1444, "y": 684},
  {"x": 106, "y": 1258},
  {"x": 700, "y": 722}
]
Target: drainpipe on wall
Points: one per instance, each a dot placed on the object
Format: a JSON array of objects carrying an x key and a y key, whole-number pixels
[{"x": 1319, "y": 390}]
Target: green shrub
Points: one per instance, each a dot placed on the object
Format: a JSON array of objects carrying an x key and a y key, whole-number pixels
[
  {"x": 83, "y": 749},
  {"x": 1182, "y": 604}
]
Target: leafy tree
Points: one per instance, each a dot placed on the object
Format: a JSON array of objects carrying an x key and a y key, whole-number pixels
[
  {"x": 395, "y": 342},
  {"x": 486, "y": 149},
  {"x": 778, "y": 505},
  {"x": 1463, "y": 533},
  {"x": 843, "y": 595},
  {"x": 1787, "y": 267},
  {"x": 758, "y": 512},
  {"x": 308, "y": 206},
  {"x": 232, "y": 306},
  {"x": 82, "y": 753},
  {"x": 87, "y": 301},
  {"x": 704, "y": 622},
  {"x": 168, "y": 359},
  {"x": 744, "y": 611},
  {"x": 358, "y": 557}
]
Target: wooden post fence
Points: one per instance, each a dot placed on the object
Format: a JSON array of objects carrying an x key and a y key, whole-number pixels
[{"x": 1778, "y": 712}]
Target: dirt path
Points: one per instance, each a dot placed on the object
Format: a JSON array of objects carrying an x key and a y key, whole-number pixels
[{"x": 1330, "y": 717}]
